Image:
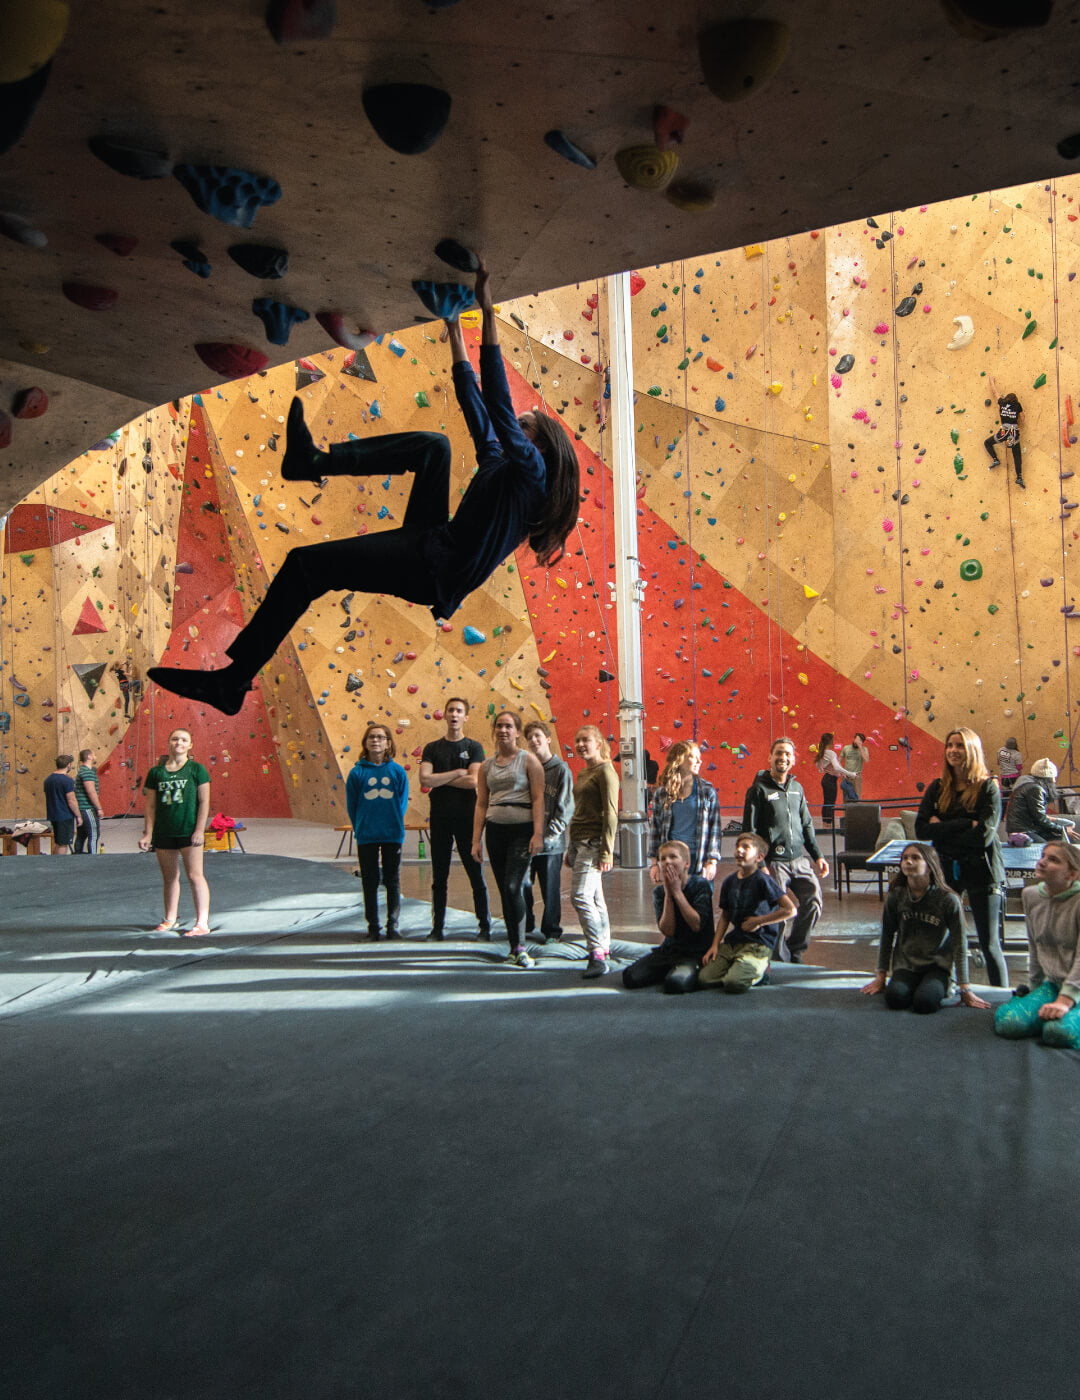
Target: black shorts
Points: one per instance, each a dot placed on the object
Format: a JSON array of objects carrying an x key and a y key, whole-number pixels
[
  {"x": 170, "y": 843},
  {"x": 63, "y": 832}
]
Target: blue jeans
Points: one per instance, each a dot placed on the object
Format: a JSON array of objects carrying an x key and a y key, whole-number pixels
[{"x": 1019, "y": 1019}]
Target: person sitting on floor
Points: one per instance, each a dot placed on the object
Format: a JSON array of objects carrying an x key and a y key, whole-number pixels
[
  {"x": 753, "y": 908},
  {"x": 1050, "y": 1009},
  {"x": 922, "y": 938},
  {"x": 1027, "y": 809},
  {"x": 684, "y": 912}
]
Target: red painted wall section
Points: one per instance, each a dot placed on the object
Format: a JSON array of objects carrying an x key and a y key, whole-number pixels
[
  {"x": 40, "y": 527},
  {"x": 715, "y": 667},
  {"x": 238, "y": 750}
]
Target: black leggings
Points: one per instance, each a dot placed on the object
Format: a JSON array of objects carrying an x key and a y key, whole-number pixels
[
  {"x": 387, "y": 561},
  {"x": 508, "y": 852},
  {"x": 367, "y": 856},
  {"x": 991, "y": 447},
  {"x": 923, "y": 989},
  {"x": 828, "y": 798},
  {"x": 985, "y": 902}
]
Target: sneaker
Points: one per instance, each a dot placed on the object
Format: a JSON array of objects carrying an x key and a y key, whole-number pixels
[
  {"x": 795, "y": 957},
  {"x": 520, "y": 959},
  {"x": 298, "y": 463},
  {"x": 1021, "y": 483},
  {"x": 595, "y": 967},
  {"x": 484, "y": 935},
  {"x": 218, "y": 689}
]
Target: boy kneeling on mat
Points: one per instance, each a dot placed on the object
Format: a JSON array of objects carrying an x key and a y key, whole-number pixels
[
  {"x": 751, "y": 917},
  {"x": 684, "y": 913}
]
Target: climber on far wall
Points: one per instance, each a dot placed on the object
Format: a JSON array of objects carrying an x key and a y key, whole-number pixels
[
  {"x": 1012, "y": 415},
  {"x": 525, "y": 488}
]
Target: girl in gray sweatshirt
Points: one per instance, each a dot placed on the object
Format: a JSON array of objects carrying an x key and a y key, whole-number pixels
[{"x": 1050, "y": 1011}]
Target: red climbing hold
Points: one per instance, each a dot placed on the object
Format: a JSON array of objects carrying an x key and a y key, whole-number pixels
[
  {"x": 90, "y": 298},
  {"x": 30, "y": 403},
  {"x": 231, "y": 361},
  {"x": 637, "y": 283},
  {"x": 89, "y": 621}
]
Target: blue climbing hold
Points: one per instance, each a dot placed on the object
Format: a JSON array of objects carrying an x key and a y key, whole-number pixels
[
  {"x": 720, "y": 405},
  {"x": 195, "y": 260},
  {"x": 447, "y": 300},
  {"x": 232, "y": 196},
  {"x": 561, "y": 144},
  {"x": 278, "y": 318},
  {"x": 473, "y": 637}
]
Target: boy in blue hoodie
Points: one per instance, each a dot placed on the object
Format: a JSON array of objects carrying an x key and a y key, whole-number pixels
[{"x": 377, "y": 796}]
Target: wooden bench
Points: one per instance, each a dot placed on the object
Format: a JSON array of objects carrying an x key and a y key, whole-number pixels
[
  {"x": 421, "y": 827},
  {"x": 32, "y": 845},
  {"x": 223, "y": 840}
]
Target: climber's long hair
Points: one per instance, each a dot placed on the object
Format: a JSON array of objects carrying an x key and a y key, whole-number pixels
[{"x": 548, "y": 536}]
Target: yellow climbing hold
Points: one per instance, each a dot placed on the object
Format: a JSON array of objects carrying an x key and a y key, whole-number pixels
[
  {"x": 809, "y": 592},
  {"x": 560, "y": 581},
  {"x": 470, "y": 318},
  {"x": 754, "y": 250},
  {"x": 516, "y": 684},
  {"x": 775, "y": 387},
  {"x": 803, "y": 678},
  {"x": 536, "y": 707},
  {"x": 550, "y": 657}
]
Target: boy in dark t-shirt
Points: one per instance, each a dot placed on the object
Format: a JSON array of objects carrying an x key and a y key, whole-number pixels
[
  {"x": 448, "y": 769},
  {"x": 1011, "y": 413},
  {"x": 684, "y": 913},
  {"x": 61, "y": 808},
  {"x": 752, "y": 910}
]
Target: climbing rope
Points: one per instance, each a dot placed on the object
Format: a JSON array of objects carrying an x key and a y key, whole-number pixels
[
  {"x": 688, "y": 495},
  {"x": 897, "y": 440},
  {"x": 1062, "y": 512}
]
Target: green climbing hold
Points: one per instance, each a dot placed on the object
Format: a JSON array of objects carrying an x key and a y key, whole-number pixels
[
  {"x": 661, "y": 333},
  {"x": 27, "y": 558},
  {"x": 991, "y": 609},
  {"x": 421, "y": 399},
  {"x": 1039, "y": 382},
  {"x": 970, "y": 570},
  {"x": 655, "y": 390},
  {"x": 958, "y": 464},
  {"x": 1053, "y": 344},
  {"x": 684, "y": 362},
  {"x": 955, "y": 435},
  {"x": 1028, "y": 329},
  {"x": 721, "y": 679}
]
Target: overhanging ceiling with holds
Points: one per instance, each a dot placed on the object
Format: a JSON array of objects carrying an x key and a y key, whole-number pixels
[{"x": 103, "y": 289}]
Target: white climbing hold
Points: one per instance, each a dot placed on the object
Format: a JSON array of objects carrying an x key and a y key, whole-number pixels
[{"x": 964, "y": 334}]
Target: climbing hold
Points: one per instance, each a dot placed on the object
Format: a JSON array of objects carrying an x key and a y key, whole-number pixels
[
  {"x": 421, "y": 399},
  {"x": 906, "y": 307},
  {"x": 456, "y": 255},
  {"x": 29, "y": 37},
  {"x": 30, "y": 403},
  {"x": 230, "y": 195},
  {"x": 278, "y": 318},
  {"x": 560, "y": 143},
  {"x": 669, "y": 127},
  {"x": 882, "y": 328},
  {"x": 90, "y": 620},
  {"x": 691, "y": 196},
  {"x": 1029, "y": 329},
  {"x": 19, "y": 230},
  {"x": 408, "y": 117},
  {"x": 90, "y": 298},
  {"x": 844, "y": 363},
  {"x": 989, "y": 19},
  {"x": 260, "y": 260},
  {"x": 122, "y": 244},
  {"x": 195, "y": 260},
  {"x": 604, "y": 676},
  {"x": 231, "y": 361},
  {"x": 6, "y": 429},
  {"x": 739, "y": 56},
  {"x": 19, "y": 100},
  {"x": 127, "y": 158},
  {"x": 752, "y": 351},
  {"x": 646, "y": 167},
  {"x": 970, "y": 570},
  {"x": 333, "y": 323},
  {"x": 447, "y": 300},
  {"x": 803, "y": 678},
  {"x": 353, "y": 682},
  {"x": 1039, "y": 382},
  {"x": 296, "y": 21},
  {"x": 964, "y": 333},
  {"x": 473, "y": 637}
]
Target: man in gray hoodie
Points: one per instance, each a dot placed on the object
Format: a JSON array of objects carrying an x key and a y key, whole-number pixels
[{"x": 777, "y": 810}]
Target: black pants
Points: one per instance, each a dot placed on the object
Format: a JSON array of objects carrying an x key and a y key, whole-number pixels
[
  {"x": 508, "y": 852},
  {"x": 828, "y": 798},
  {"x": 387, "y": 561},
  {"x": 88, "y": 832},
  {"x": 446, "y": 831},
  {"x": 547, "y": 869},
  {"x": 985, "y": 903},
  {"x": 923, "y": 990},
  {"x": 675, "y": 968},
  {"x": 991, "y": 447},
  {"x": 367, "y": 857}
]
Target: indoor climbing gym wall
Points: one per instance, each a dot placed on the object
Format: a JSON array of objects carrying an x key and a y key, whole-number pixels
[{"x": 824, "y": 541}]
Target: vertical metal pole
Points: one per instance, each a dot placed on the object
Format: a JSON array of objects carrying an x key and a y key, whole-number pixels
[{"x": 629, "y": 587}]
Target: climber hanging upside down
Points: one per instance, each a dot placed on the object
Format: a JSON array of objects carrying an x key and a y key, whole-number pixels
[{"x": 525, "y": 488}]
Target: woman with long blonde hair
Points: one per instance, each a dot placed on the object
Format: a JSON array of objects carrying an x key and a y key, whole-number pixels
[
  {"x": 685, "y": 808},
  {"x": 959, "y": 815}
]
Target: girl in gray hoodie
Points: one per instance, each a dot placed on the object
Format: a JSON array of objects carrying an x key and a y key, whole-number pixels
[{"x": 1052, "y": 910}]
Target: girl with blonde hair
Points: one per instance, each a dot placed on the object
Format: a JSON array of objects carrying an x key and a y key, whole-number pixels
[
  {"x": 685, "y": 808},
  {"x": 959, "y": 815}
]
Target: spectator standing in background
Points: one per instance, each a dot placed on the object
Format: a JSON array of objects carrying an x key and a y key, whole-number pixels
[
  {"x": 61, "y": 808},
  {"x": 854, "y": 757},
  {"x": 91, "y": 812},
  {"x": 1010, "y": 763}
]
